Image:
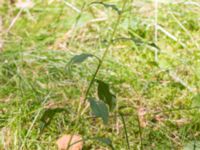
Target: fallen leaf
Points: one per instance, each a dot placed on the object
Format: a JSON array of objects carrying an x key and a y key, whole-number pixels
[{"x": 70, "y": 142}]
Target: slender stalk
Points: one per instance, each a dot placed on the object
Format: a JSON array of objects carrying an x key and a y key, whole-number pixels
[
  {"x": 105, "y": 53},
  {"x": 126, "y": 133},
  {"x": 101, "y": 62}
]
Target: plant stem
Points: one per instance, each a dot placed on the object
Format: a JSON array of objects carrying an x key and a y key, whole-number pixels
[
  {"x": 105, "y": 53},
  {"x": 100, "y": 62},
  {"x": 126, "y": 133}
]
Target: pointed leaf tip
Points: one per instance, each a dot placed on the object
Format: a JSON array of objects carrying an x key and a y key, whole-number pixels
[
  {"x": 106, "y": 141},
  {"x": 80, "y": 58},
  {"x": 99, "y": 109},
  {"x": 106, "y": 5},
  {"x": 105, "y": 95}
]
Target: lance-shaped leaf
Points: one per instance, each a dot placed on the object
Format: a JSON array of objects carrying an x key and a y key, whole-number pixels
[
  {"x": 135, "y": 40},
  {"x": 154, "y": 45},
  {"x": 114, "y": 7},
  {"x": 106, "y": 141},
  {"x": 99, "y": 109},
  {"x": 105, "y": 95},
  {"x": 77, "y": 59},
  {"x": 48, "y": 116}
]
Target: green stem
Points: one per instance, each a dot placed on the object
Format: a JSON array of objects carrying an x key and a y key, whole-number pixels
[
  {"x": 104, "y": 54},
  {"x": 100, "y": 62},
  {"x": 125, "y": 130}
]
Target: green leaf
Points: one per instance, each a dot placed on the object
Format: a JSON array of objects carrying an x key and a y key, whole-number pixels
[
  {"x": 105, "y": 95},
  {"x": 154, "y": 45},
  {"x": 114, "y": 7},
  {"x": 99, "y": 109},
  {"x": 137, "y": 41},
  {"x": 153, "y": 63},
  {"x": 133, "y": 39},
  {"x": 106, "y": 141},
  {"x": 48, "y": 116},
  {"x": 77, "y": 59}
]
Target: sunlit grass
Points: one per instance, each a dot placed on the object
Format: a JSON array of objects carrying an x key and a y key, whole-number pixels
[{"x": 34, "y": 74}]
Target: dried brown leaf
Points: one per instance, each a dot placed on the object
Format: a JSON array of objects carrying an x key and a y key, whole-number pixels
[{"x": 74, "y": 141}]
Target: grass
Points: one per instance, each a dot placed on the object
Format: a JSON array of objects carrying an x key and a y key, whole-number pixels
[{"x": 160, "y": 89}]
